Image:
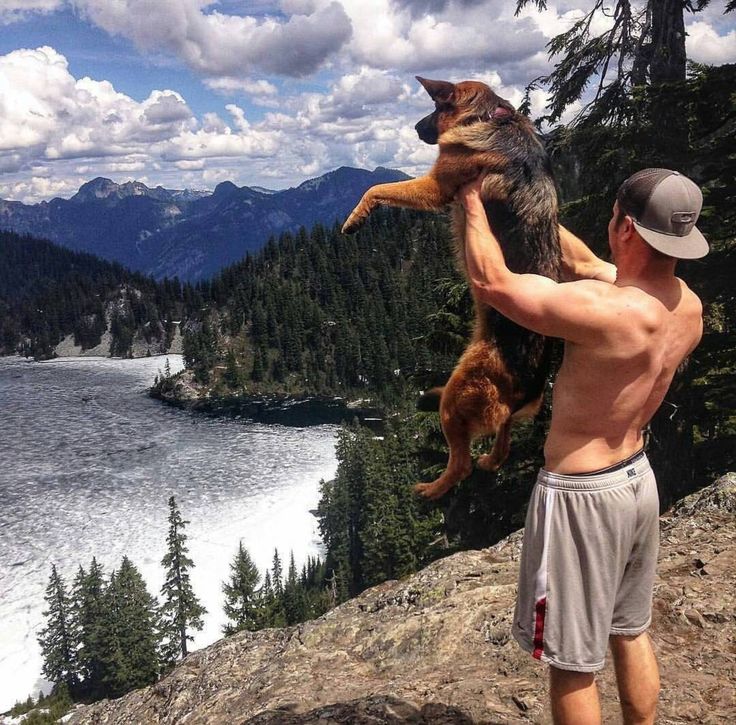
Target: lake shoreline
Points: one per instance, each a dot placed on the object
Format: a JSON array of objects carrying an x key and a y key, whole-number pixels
[{"x": 292, "y": 410}]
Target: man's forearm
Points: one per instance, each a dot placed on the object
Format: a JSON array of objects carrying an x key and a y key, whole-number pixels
[
  {"x": 579, "y": 262},
  {"x": 485, "y": 261}
]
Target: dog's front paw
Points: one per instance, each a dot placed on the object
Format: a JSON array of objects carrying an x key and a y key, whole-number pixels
[{"x": 352, "y": 224}]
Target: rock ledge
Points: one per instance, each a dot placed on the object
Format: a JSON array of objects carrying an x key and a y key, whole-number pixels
[{"x": 437, "y": 648}]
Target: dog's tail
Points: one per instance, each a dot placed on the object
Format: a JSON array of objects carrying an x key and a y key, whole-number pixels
[{"x": 429, "y": 400}]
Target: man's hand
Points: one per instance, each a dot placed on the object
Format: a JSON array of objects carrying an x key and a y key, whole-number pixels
[
  {"x": 469, "y": 194},
  {"x": 579, "y": 262}
]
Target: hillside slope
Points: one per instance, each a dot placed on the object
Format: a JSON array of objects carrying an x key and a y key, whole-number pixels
[
  {"x": 436, "y": 647},
  {"x": 57, "y": 302}
]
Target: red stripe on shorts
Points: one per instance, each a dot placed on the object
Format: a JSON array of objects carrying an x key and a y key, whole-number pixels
[{"x": 539, "y": 612}]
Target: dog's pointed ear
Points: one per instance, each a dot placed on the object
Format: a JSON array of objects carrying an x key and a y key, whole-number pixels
[{"x": 440, "y": 91}]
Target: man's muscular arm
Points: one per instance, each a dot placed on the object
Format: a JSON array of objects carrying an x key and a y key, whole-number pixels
[
  {"x": 573, "y": 311},
  {"x": 579, "y": 262}
]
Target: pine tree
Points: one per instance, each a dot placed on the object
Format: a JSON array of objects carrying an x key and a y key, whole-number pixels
[
  {"x": 277, "y": 576},
  {"x": 276, "y": 615},
  {"x": 130, "y": 639},
  {"x": 268, "y": 603},
  {"x": 115, "y": 674},
  {"x": 58, "y": 639},
  {"x": 233, "y": 376},
  {"x": 89, "y": 613},
  {"x": 180, "y": 610},
  {"x": 295, "y": 609},
  {"x": 258, "y": 373},
  {"x": 242, "y": 600}
]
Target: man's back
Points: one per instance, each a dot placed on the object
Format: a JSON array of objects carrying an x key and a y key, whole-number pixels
[{"x": 611, "y": 383}]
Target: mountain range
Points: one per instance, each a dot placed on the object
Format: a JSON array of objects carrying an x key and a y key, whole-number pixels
[{"x": 185, "y": 233}]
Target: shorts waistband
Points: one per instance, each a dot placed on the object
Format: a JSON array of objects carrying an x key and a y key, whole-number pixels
[{"x": 620, "y": 473}]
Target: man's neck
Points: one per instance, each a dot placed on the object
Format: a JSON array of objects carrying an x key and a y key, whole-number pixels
[{"x": 646, "y": 272}]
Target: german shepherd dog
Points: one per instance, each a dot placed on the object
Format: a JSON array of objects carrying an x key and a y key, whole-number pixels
[{"x": 501, "y": 375}]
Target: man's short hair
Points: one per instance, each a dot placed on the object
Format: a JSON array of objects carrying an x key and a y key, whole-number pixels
[{"x": 664, "y": 206}]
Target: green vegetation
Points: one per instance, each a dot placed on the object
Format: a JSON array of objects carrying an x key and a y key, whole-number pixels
[
  {"x": 279, "y": 601},
  {"x": 371, "y": 522},
  {"x": 319, "y": 313},
  {"x": 47, "y": 293},
  {"x": 46, "y": 710},
  {"x": 100, "y": 641},
  {"x": 109, "y": 635}
]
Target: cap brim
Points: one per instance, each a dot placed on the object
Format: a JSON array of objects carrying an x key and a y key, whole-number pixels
[{"x": 691, "y": 246}]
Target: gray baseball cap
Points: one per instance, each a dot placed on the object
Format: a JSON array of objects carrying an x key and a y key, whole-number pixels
[{"x": 664, "y": 206}]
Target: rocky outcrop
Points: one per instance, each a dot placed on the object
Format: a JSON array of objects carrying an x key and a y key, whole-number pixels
[{"x": 437, "y": 648}]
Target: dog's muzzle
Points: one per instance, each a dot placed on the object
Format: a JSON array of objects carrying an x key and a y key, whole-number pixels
[{"x": 427, "y": 129}]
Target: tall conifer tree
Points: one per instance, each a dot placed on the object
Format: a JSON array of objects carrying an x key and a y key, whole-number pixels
[
  {"x": 181, "y": 610},
  {"x": 242, "y": 599},
  {"x": 295, "y": 609},
  {"x": 277, "y": 576},
  {"x": 130, "y": 643},
  {"x": 58, "y": 639},
  {"x": 89, "y": 614}
]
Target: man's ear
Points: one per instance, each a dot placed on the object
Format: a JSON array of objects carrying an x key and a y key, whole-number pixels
[
  {"x": 629, "y": 229},
  {"x": 439, "y": 91}
]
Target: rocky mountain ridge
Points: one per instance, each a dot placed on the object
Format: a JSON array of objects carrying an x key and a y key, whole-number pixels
[
  {"x": 436, "y": 647},
  {"x": 185, "y": 233}
]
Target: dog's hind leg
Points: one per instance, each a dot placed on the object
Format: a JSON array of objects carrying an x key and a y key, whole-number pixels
[
  {"x": 424, "y": 194},
  {"x": 502, "y": 443},
  {"x": 459, "y": 466},
  {"x": 500, "y": 452}
]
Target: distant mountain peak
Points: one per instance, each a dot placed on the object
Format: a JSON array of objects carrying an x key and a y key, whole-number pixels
[
  {"x": 224, "y": 188},
  {"x": 97, "y": 188},
  {"x": 102, "y": 188},
  {"x": 186, "y": 233}
]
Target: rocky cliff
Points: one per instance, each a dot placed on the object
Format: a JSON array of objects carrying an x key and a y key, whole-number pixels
[{"x": 436, "y": 647}]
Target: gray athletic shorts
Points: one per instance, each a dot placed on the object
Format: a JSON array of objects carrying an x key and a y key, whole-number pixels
[{"x": 588, "y": 563}]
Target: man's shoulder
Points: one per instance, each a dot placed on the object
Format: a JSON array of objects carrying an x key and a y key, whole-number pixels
[
  {"x": 604, "y": 292},
  {"x": 617, "y": 309}
]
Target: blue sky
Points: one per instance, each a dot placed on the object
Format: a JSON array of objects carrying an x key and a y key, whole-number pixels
[{"x": 187, "y": 93}]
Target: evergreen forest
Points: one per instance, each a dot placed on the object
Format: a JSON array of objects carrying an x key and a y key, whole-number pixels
[
  {"x": 106, "y": 634},
  {"x": 319, "y": 313},
  {"x": 48, "y": 292}
]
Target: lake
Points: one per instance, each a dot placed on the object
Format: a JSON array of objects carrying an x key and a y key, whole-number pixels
[{"x": 87, "y": 464}]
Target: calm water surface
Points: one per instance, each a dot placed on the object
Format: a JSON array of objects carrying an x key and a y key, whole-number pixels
[{"x": 87, "y": 463}]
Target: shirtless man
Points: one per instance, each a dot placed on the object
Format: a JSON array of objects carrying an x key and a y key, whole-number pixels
[{"x": 592, "y": 528}]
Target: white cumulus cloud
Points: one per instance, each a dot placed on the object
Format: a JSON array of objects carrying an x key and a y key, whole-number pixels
[
  {"x": 50, "y": 120},
  {"x": 12, "y": 11},
  {"x": 705, "y": 45},
  {"x": 216, "y": 44}
]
